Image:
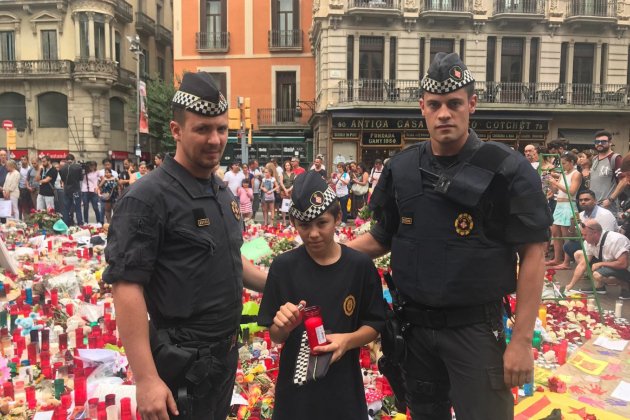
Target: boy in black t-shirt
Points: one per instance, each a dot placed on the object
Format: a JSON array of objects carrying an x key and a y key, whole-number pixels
[{"x": 345, "y": 284}]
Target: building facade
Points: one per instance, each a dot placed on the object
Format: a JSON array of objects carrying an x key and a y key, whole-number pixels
[
  {"x": 544, "y": 69},
  {"x": 258, "y": 49},
  {"x": 68, "y": 79}
]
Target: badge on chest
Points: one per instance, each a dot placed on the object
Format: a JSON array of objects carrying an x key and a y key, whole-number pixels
[
  {"x": 201, "y": 220},
  {"x": 464, "y": 224},
  {"x": 236, "y": 211},
  {"x": 348, "y": 305}
]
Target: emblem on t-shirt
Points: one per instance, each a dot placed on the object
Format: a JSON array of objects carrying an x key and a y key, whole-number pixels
[
  {"x": 317, "y": 198},
  {"x": 464, "y": 224},
  {"x": 349, "y": 304},
  {"x": 203, "y": 222},
  {"x": 236, "y": 210}
]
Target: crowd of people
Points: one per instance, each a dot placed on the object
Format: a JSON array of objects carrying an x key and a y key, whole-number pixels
[
  {"x": 67, "y": 187},
  {"x": 587, "y": 189},
  {"x": 269, "y": 187}
]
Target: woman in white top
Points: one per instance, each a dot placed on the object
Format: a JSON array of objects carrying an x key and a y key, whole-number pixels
[
  {"x": 563, "y": 214},
  {"x": 341, "y": 188},
  {"x": 10, "y": 189}
]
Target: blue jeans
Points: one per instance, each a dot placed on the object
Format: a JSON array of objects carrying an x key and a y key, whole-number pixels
[
  {"x": 343, "y": 202},
  {"x": 72, "y": 204},
  {"x": 90, "y": 197}
]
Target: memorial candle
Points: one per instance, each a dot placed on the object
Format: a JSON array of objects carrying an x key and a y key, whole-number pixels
[
  {"x": 45, "y": 346},
  {"x": 7, "y": 389},
  {"x": 314, "y": 327},
  {"x": 54, "y": 297},
  {"x": 80, "y": 390},
  {"x": 32, "y": 353}
]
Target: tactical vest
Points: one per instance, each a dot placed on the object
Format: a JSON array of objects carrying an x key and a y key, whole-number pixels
[{"x": 442, "y": 253}]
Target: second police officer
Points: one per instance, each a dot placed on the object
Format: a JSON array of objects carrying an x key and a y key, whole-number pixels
[{"x": 458, "y": 216}]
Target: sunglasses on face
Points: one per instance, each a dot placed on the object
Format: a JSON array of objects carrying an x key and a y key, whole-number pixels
[{"x": 600, "y": 141}]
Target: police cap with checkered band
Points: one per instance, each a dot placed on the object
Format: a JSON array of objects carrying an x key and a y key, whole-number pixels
[
  {"x": 447, "y": 73},
  {"x": 311, "y": 196},
  {"x": 200, "y": 94}
]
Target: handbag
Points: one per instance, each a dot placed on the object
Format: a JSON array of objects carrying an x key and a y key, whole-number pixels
[{"x": 358, "y": 189}]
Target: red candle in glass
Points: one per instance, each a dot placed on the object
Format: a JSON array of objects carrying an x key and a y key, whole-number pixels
[
  {"x": 47, "y": 372},
  {"x": 7, "y": 389},
  {"x": 30, "y": 394},
  {"x": 44, "y": 358},
  {"x": 54, "y": 297},
  {"x": 32, "y": 353},
  {"x": 110, "y": 399},
  {"x": 125, "y": 408},
  {"x": 63, "y": 341},
  {"x": 50, "y": 246},
  {"x": 314, "y": 327},
  {"x": 79, "y": 338},
  {"x": 80, "y": 390},
  {"x": 66, "y": 401},
  {"x": 78, "y": 253},
  {"x": 86, "y": 253},
  {"x": 70, "y": 309},
  {"x": 102, "y": 414},
  {"x": 45, "y": 340},
  {"x": 93, "y": 408}
]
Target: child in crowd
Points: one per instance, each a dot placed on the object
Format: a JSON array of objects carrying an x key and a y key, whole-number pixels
[
  {"x": 346, "y": 286},
  {"x": 245, "y": 195},
  {"x": 269, "y": 186}
]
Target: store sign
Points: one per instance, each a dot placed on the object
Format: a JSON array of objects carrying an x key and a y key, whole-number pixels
[
  {"x": 54, "y": 154},
  {"x": 345, "y": 135},
  {"x": 377, "y": 123},
  {"x": 381, "y": 138},
  {"x": 495, "y": 125},
  {"x": 417, "y": 134}
]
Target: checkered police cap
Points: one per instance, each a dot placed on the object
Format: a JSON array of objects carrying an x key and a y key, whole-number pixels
[
  {"x": 311, "y": 196},
  {"x": 199, "y": 93},
  {"x": 446, "y": 74}
]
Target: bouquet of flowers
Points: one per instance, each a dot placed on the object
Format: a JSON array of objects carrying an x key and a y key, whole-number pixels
[{"x": 44, "y": 219}]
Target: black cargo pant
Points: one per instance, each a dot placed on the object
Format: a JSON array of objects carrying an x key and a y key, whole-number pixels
[{"x": 459, "y": 367}]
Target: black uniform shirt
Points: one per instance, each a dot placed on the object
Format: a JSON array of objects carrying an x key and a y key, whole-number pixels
[
  {"x": 180, "y": 238},
  {"x": 518, "y": 195}
]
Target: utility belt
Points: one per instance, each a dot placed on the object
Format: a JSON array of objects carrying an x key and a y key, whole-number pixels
[
  {"x": 440, "y": 318},
  {"x": 193, "y": 370}
]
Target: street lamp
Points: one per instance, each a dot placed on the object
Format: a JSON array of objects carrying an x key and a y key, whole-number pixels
[{"x": 136, "y": 50}]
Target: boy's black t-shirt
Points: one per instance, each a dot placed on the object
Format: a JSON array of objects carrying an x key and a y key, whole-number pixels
[
  {"x": 350, "y": 295},
  {"x": 47, "y": 189}
]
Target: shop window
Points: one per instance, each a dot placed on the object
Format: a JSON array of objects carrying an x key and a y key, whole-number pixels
[
  {"x": 343, "y": 152},
  {"x": 116, "y": 114},
  {"x": 52, "y": 108}
]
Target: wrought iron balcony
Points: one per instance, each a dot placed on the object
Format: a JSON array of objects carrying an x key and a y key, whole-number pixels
[
  {"x": 163, "y": 35},
  {"x": 213, "y": 41},
  {"x": 489, "y": 94},
  {"x": 123, "y": 11},
  {"x": 26, "y": 69},
  {"x": 374, "y": 6},
  {"x": 519, "y": 8},
  {"x": 447, "y": 7},
  {"x": 285, "y": 40},
  {"x": 283, "y": 117},
  {"x": 592, "y": 9},
  {"x": 145, "y": 24}
]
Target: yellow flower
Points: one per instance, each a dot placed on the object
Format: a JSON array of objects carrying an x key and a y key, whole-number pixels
[{"x": 249, "y": 377}]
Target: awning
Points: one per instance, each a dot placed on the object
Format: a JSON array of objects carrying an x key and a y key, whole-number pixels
[
  {"x": 18, "y": 153},
  {"x": 578, "y": 135},
  {"x": 119, "y": 155},
  {"x": 53, "y": 154}
]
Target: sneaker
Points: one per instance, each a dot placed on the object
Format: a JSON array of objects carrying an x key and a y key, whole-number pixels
[
  {"x": 589, "y": 291},
  {"x": 625, "y": 294}
]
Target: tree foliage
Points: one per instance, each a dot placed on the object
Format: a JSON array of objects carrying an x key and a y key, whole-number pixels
[{"x": 159, "y": 95}]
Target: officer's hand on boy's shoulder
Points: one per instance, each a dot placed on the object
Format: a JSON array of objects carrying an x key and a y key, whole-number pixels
[
  {"x": 288, "y": 316},
  {"x": 337, "y": 343}
]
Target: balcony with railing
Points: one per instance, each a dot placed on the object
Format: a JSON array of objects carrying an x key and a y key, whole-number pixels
[
  {"x": 445, "y": 8},
  {"x": 145, "y": 25},
  {"x": 126, "y": 78},
  {"x": 374, "y": 7},
  {"x": 211, "y": 42},
  {"x": 163, "y": 35},
  {"x": 276, "y": 118},
  {"x": 492, "y": 94},
  {"x": 123, "y": 11},
  {"x": 519, "y": 9},
  {"x": 290, "y": 40},
  {"x": 95, "y": 70},
  {"x": 27, "y": 69},
  {"x": 592, "y": 10}
]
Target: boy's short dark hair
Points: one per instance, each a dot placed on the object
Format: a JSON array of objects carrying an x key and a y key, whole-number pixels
[{"x": 606, "y": 133}]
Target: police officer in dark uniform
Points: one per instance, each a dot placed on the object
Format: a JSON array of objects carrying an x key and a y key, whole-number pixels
[
  {"x": 458, "y": 215},
  {"x": 174, "y": 252}
]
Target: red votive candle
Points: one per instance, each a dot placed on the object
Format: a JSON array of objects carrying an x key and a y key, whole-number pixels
[
  {"x": 30, "y": 394},
  {"x": 80, "y": 390},
  {"x": 93, "y": 408},
  {"x": 54, "y": 297},
  {"x": 7, "y": 389},
  {"x": 70, "y": 309},
  {"x": 79, "y": 338},
  {"x": 63, "y": 341},
  {"x": 44, "y": 358},
  {"x": 314, "y": 327},
  {"x": 45, "y": 340},
  {"x": 32, "y": 353},
  {"x": 110, "y": 399}
]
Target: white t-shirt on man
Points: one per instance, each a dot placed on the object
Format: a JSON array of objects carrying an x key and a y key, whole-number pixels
[
  {"x": 234, "y": 180},
  {"x": 614, "y": 246}
]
